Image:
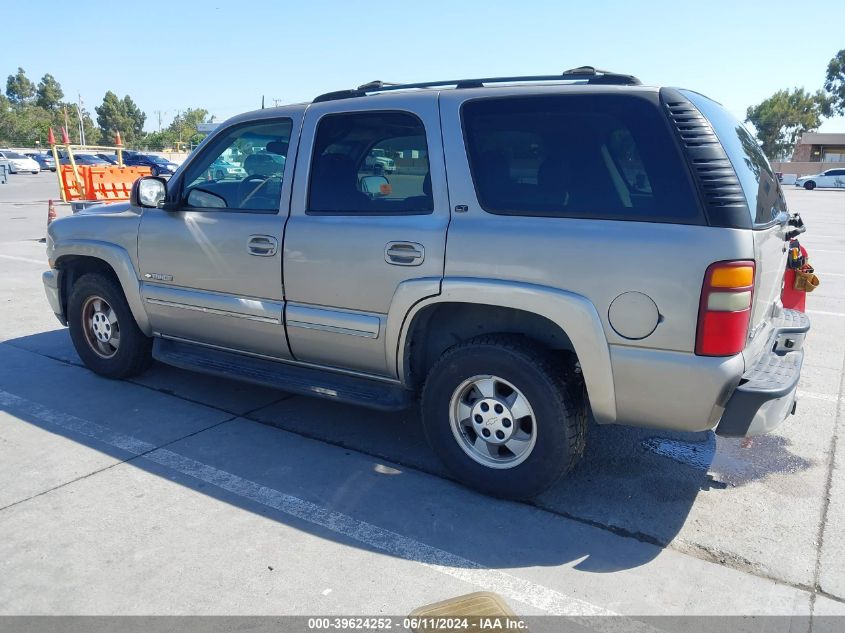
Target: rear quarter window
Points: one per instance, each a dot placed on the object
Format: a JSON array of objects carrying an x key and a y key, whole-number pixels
[
  {"x": 577, "y": 156},
  {"x": 759, "y": 183}
]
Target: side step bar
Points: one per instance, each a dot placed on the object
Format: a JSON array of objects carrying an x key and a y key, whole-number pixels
[{"x": 306, "y": 381}]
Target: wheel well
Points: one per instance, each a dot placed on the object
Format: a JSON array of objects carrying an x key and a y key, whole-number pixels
[
  {"x": 438, "y": 327},
  {"x": 74, "y": 266}
]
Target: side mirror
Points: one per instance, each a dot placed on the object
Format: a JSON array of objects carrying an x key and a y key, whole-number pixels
[
  {"x": 149, "y": 192},
  {"x": 201, "y": 199},
  {"x": 375, "y": 186}
]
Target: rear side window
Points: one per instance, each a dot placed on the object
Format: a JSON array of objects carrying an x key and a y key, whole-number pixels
[
  {"x": 759, "y": 184},
  {"x": 370, "y": 163},
  {"x": 577, "y": 156}
]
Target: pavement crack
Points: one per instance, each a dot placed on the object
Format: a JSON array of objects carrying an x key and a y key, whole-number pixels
[{"x": 817, "y": 590}]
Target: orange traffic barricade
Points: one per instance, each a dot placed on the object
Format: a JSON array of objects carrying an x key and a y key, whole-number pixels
[{"x": 82, "y": 185}]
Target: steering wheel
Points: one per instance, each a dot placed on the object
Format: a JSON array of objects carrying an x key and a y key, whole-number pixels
[{"x": 250, "y": 187}]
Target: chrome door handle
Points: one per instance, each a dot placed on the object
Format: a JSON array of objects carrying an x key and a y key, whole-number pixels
[
  {"x": 262, "y": 245},
  {"x": 404, "y": 253}
]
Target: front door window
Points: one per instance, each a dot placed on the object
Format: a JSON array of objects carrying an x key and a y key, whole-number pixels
[{"x": 241, "y": 170}]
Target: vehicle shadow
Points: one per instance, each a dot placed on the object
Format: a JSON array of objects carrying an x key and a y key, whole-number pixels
[{"x": 636, "y": 483}]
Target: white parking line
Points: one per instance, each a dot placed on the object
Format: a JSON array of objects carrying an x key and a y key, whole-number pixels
[
  {"x": 471, "y": 572},
  {"x": 822, "y": 312},
  {"x": 818, "y": 396},
  {"x": 40, "y": 262}
]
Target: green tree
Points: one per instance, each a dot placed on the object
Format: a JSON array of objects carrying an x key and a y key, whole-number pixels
[
  {"x": 184, "y": 124},
  {"x": 120, "y": 115},
  {"x": 160, "y": 140},
  {"x": 49, "y": 93},
  {"x": 19, "y": 89},
  {"x": 783, "y": 117},
  {"x": 134, "y": 117},
  {"x": 834, "y": 83}
]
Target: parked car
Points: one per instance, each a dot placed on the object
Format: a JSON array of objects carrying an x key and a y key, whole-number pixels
[
  {"x": 158, "y": 166},
  {"x": 222, "y": 169},
  {"x": 111, "y": 159},
  {"x": 829, "y": 178},
  {"x": 516, "y": 284},
  {"x": 18, "y": 162},
  {"x": 84, "y": 159},
  {"x": 45, "y": 161}
]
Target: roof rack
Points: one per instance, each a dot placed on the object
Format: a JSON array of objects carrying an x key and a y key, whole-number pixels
[{"x": 587, "y": 74}]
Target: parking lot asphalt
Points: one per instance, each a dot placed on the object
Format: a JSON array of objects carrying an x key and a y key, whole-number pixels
[{"x": 182, "y": 493}]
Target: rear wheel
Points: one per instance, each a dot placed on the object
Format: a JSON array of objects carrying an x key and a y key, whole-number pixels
[
  {"x": 103, "y": 329},
  {"x": 505, "y": 416},
  {"x": 809, "y": 185}
]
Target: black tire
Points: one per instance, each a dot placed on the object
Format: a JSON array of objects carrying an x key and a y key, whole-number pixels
[
  {"x": 556, "y": 395},
  {"x": 219, "y": 175},
  {"x": 809, "y": 185},
  {"x": 134, "y": 353},
  {"x": 154, "y": 171}
]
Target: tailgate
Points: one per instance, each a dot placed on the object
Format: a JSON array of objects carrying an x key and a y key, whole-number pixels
[{"x": 770, "y": 260}]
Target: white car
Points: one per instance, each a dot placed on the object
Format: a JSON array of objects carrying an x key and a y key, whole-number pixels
[
  {"x": 829, "y": 178},
  {"x": 19, "y": 162}
]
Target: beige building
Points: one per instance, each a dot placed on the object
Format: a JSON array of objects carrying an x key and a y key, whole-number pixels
[{"x": 815, "y": 152}]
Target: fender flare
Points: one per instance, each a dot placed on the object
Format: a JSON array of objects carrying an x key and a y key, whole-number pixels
[
  {"x": 120, "y": 262},
  {"x": 573, "y": 313}
]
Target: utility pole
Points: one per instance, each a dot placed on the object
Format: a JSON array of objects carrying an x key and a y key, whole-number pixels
[
  {"x": 79, "y": 106},
  {"x": 159, "y": 113},
  {"x": 67, "y": 124}
]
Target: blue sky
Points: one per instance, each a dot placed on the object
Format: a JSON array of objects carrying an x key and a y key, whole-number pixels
[{"x": 224, "y": 56}]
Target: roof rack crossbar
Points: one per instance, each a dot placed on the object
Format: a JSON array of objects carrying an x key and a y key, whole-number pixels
[{"x": 586, "y": 74}]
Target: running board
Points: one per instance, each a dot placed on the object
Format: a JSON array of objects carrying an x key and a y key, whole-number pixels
[{"x": 306, "y": 381}]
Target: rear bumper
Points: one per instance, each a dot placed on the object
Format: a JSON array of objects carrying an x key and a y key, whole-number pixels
[{"x": 765, "y": 396}]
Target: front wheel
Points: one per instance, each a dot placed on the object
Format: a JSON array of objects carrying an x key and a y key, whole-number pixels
[
  {"x": 219, "y": 175},
  {"x": 103, "y": 329},
  {"x": 809, "y": 185},
  {"x": 505, "y": 416}
]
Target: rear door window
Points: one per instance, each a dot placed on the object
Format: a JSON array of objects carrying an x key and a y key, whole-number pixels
[
  {"x": 370, "y": 163},
  {"x": 759, "y": 184},
  {"x": 578, "y": 156}
]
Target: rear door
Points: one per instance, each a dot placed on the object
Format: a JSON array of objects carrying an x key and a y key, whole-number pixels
[
  {"x": 767, "y": 205},
  {"x": 360, "y": 237}
]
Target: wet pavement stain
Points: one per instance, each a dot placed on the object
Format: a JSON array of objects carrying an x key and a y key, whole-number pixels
[{"x": 731, "y": 461}]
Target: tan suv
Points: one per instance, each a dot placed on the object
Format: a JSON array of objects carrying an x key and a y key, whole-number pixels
[{"x": 544, "y": 248}]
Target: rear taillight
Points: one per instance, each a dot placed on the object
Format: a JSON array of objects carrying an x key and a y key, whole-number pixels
[{"x": 725, "y": 308}]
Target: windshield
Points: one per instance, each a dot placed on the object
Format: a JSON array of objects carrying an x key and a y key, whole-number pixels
[
  {"x": 158, "y": 160},
  {"x": 13, "y": 155}
]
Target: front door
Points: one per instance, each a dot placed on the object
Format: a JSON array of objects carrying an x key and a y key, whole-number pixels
[
  {"x": 211, "y": 262},
  {"x": 367, "y": 231}
]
